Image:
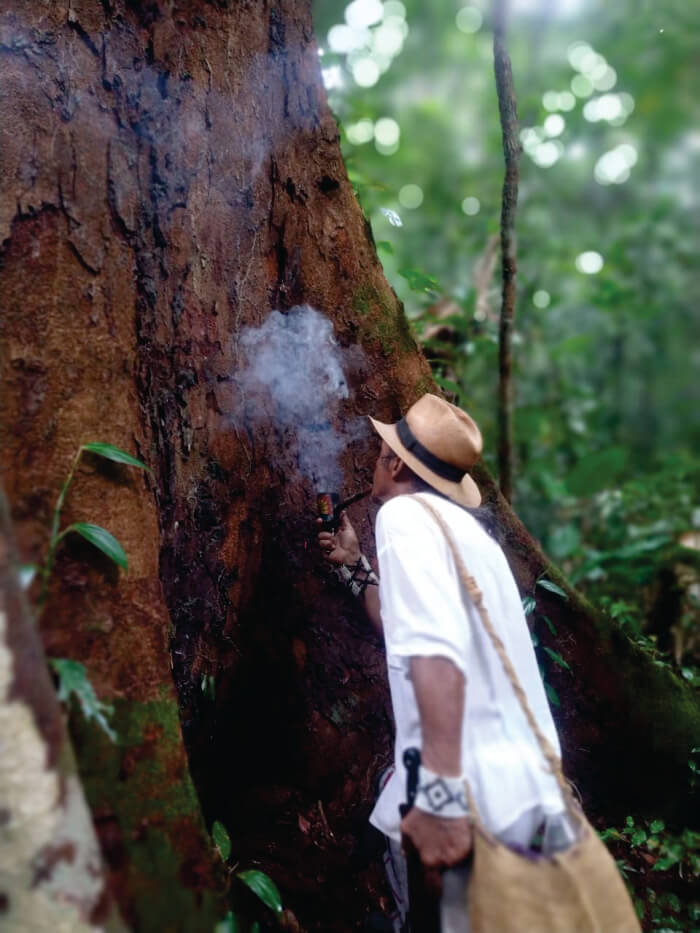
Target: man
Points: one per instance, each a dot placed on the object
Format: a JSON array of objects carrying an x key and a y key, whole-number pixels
[{"x": 450, "y": 695}]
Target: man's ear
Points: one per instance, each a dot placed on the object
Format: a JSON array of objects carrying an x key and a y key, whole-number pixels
[{"x": 397, "y": 465}]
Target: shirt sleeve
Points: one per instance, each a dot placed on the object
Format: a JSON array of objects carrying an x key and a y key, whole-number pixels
[{"x": 422, "y": 608}]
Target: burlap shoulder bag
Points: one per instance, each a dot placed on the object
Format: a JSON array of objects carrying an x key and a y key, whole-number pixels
[{"x": 578, "y": 890}]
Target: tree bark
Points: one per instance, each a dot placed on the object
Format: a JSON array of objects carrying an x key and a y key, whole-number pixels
[
  {"x": 170, "y": 176},
  {"x": 509, "y": 202}
]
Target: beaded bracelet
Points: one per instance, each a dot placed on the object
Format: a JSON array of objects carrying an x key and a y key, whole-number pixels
[
  {"x": 359, "y": 576},
  {"x": 441, "y": 796}
]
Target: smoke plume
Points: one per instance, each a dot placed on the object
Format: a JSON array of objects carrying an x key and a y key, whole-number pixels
[{"x": 295, "y": 366}]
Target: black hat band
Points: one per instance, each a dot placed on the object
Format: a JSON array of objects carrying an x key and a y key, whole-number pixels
[{"x": 438, "y": 466}]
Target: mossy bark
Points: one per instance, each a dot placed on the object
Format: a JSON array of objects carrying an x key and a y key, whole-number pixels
[{"x": 171, "y": 174}]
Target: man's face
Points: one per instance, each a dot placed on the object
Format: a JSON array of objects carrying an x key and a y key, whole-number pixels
[{"x": 383, "y": 481}]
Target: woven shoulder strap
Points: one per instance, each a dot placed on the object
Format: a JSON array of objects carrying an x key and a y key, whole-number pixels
[{"x": 477, "y": 598}]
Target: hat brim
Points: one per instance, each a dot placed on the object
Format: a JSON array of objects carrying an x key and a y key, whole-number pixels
[{"x": 465, "y": 492}]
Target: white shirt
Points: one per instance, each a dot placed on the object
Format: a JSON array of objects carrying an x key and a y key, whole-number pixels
[{"x": 426, "y": 612}]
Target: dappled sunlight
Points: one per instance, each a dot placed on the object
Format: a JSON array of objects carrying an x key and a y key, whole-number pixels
[
  {"x": 371, "y": 36},
  {"x": 387, "y": 131},
  {"x": 615, "y": 108},
  {"x": 547, "y": 153},
  {"x": 544, "y": 152},
  {"x": 581, "y": 86},
  {"x": 554, "y": 125},
  {"x": 471, "y": 206},
  {"x": 332, "y": 77},
  {"x": 558, "y": 100},
  {"x": 386, "y": 135},
  {"x": 411, "y": 196},
  {"x": 613, "y": 168},
  {"x": 360, "y": 132},
  {"x": 590, "y": 262},
  {"x": 469, "y": 19},
  {"x": 344, "y": 38},
  {"x": 366, "y": 71},
  {"x": 362, "y": 13}
]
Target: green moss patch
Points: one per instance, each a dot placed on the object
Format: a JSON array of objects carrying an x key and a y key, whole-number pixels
[
  {"x": 162, "y": 863},
  {"x": 383, "y": 321}
]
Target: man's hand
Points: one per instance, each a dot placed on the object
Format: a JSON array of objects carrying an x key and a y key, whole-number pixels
[
  {"x": 440, "y": 842},
  {"x": 342, "y": 547}
]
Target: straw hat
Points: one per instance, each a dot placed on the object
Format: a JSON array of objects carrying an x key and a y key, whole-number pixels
[{"x": 440, "y": 443}]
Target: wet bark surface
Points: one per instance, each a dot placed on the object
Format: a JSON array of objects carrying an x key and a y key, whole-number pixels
[{"x": 171, "y": 175}]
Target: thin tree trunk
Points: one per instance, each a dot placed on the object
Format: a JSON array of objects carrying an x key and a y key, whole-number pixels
[
  {"x": 51, "y": 872},
  {"x": 511, "y": 150}
]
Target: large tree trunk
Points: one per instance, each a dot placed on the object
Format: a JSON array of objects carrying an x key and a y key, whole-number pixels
[{"x": 170, "y": 175}]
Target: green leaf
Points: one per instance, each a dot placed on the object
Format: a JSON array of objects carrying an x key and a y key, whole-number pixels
[
  {"x": 623, "y": 866},
  {"x": 221, "y": 839},
  {"x": 102, "y": 540},
  {"x": 449, "y": 385},
  {"x": 666, "y": 861},
  {"x": 418, "y": 281},
  {"x": 208, "y": 686},
  {"x": 230, "y": 924},
  {"x": 672, "y": 901},
  {"x": 557, "y": 658},
  {"x": 529, "y": 604},
  {"x": 548, "y": 622},
  {"x": 534, "y": 639},
  {"x": 552, "y": 695},
  {"x": 110, "y": 452},
  {"x": 385, "y": 246},
  {"x": 635, "y": 550},
  {"x": 26, "y": 574},
  {"x": 552, "y": 587},
  {"x": 262, "y": 885},
  {"x": 657, "y": 826},
  {"x": 638, "y": 837},
  {"x": 73, "y": 680}
]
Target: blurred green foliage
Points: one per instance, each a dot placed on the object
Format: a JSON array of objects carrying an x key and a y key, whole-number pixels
[{"x": 607, "y": 414}]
